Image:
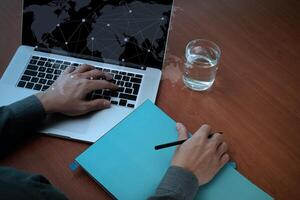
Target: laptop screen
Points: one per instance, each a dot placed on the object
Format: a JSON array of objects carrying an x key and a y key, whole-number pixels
[{"x": 129, "y": 32}]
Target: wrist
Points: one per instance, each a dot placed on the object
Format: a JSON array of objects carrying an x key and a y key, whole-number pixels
[{"x": 46, "y": 102}]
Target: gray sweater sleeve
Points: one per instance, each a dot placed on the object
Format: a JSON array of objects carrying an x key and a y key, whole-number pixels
[
  {"x": 17, "y": 120},
  {"x": 177, "y": 184}
]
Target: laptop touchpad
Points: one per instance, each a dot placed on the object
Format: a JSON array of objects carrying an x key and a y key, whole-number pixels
[{"x": 76, "y": 125}]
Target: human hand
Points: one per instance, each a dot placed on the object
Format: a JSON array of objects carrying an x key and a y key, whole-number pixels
[
  {"x": 200, "y": 154},
  {"x": 68, "y": 93}
]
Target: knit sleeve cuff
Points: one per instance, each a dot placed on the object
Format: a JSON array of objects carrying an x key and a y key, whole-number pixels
[
  {"x": 178, "y": 183},
  {"x": 28, "y": 110}
]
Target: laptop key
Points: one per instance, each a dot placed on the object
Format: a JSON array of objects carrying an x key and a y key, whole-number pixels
[
  {"x": 67, "y": 63},
  {"x": 48, "y": 64},
  {"x": 30, "y": 73},
  {"x": 45, "y": 87},
  {"x": 127, "y": 96},
  {"x": 37, "y": 87},
  {"x": 42, "y": 69},
  {"x": 128, "y": 84},
  {"x": 106, "y": 93},
  {"x": 57, "y": 71},
  {"x": 63, "y": 67},
  {"x": 130, "y": 105},
  {"x": 114, "y": 102},
  {"x": 55, "y": 66},
  {"x": 34, "y": 79},
  {"x": 41, "y": 74},
  {"x": 33, "y": 62},
  {"x": 128, "y": 90},
  {"x": 59, "y": 61},
  {"x": 117, "y": 77},
  {"x": 55, "y": 77},
  {"x": 50, "y": 82},
  {"x": 50, "y": 70},
  {"x": 21, "y": 84},
  {"x": 121, "y": 89},
  {"x": 139, "y": 76},
  {"x": 49, "y": 76},
  {"x": 114, "y": 94},
  {"x": 41, "y": 63},
  {"x": 32, "y": 67},
  {"x": 35, "y": 57},
  {"x": 125, "y": 78},
  {"x": 123, "y": 102},
  {"x": 43, "y": 59},
  {"x": 25, "y": 78},
  {"x": 98, "y": 92},
  {"x": 42, "y": 81},
  {"x": 136, "y": 80},
  {"x": 130, "y": 74},
  {"x": 29, "y": 85}
]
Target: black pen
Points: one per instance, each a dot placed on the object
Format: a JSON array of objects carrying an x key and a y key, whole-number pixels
[{"x": 162, "y": 146}]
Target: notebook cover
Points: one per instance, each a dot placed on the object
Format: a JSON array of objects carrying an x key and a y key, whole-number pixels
[{"x": 125, "y": 163}]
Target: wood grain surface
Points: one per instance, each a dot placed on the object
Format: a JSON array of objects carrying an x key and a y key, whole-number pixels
[{"x": 255, "y": 100}]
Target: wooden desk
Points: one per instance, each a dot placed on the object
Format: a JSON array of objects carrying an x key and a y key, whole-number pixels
[{"x": 255, "y": 99}]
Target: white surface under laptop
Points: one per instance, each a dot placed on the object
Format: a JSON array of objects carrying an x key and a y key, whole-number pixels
[{"x": 86, "y": 128}]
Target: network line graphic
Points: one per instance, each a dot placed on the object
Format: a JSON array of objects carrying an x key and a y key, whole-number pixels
[{"x": 134, "y": 32}]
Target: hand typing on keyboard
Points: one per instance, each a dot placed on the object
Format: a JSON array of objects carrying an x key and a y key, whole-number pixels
[{"x": 68, "y": 94}]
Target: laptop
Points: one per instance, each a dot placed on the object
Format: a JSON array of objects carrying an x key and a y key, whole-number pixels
[{"x": 124, "y": 38}]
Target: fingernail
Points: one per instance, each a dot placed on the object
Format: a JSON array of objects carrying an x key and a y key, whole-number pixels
[{"x": 106, "y": 103}]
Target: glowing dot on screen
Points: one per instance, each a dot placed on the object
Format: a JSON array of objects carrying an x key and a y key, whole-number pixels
[
  {"x": 36, "y": 46},
  {"x": 123, "y": 60},
  {"x": 149, "y": 50},
  {"x": 66, "y": 43},
  {"x": 83, "y": 20},
  {"x": 125, "y": 39},
  {"x": 57, "y": 25},
  {"x": 162, "y": 18},
  {"x": 92, "y": 38},
  {"x": 130, "y": 11},
  {"x": 107, "y": 25}
]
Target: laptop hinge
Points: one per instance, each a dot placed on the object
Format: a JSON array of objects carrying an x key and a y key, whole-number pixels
[{"x": 64, "y": 53}]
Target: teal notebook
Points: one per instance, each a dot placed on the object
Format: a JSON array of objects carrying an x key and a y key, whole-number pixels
[{"x": 125, "y": 163}]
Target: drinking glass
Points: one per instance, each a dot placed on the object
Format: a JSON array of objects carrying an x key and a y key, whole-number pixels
[{"x": 201, "y": 64}]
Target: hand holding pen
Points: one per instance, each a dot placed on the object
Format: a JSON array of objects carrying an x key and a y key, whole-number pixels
[{"x": 204, "y": 153}]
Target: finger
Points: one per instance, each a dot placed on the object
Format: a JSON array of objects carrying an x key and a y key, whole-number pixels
[
  {"x": 217, "y": 139},
  {"x": 100, "y": 84},
  {"x": 97, "y": 104},
  {"x": 222, "y": 149},
  {"x": 68, "y": 70},
  {"x": 203, "y": 132},
  {"x": 182, "y": 132},
  {"x": 95, "y": 74},
  {"x": 224, "y": 159},
  {"x": 83, "y": 68}
]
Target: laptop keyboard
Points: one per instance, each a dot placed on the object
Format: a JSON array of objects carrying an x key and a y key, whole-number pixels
[{"x": 41, "y": 73}]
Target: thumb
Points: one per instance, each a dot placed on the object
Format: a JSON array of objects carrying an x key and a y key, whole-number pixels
[
  {"x": 182, "y": 132},
  {"x": 97, "y": 104}
]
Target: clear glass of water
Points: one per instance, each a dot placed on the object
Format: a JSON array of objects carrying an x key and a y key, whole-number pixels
[{"x": 201, "y": 65}]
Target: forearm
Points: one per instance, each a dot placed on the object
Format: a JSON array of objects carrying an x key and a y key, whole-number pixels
[
  {"x": 177, "y": 184},
  {"x": 18, "y": 119}
]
